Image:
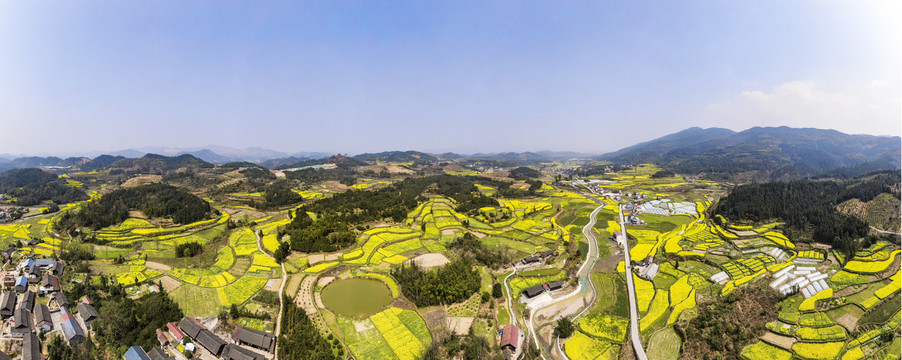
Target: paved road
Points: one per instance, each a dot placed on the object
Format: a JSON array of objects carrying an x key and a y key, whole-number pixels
[
  {"x": 275, "y": 355},
  {"x": 631, "y": 289},
  {"x": 585, "y": 288}
]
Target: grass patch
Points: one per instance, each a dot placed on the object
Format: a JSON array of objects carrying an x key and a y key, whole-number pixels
[{"x": 664, "y": 345}]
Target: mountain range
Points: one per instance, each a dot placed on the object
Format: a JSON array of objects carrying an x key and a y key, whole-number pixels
[{"x": 759, "y": 153}]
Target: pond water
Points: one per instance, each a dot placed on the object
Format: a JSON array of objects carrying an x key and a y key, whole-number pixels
[{"x": 356, "y": 298}]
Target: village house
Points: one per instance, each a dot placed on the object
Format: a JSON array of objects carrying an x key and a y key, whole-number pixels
[
  {"x": 42, "y": 319},
  {"x": 87, "y": 314},
  {"x": 510, "y": 339},
  {"x": 255, "y": 338},
  {"x": 158, "y": 353},
  {"x": 135, "y": 353},
  {"x": 7, "y": 304},
  {"x": 71, "y": 330},
  {"x": 235, "y": 352}
]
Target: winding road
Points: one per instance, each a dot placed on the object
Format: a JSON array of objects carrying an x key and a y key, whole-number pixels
[
  {"x": 585, "y": 288},
  {"x": 275, "y": 354},
  {"x": 631, "y": 290}
]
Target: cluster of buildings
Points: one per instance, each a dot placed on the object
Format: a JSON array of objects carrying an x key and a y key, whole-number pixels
[
  {"x": 244, "y": 343},
  {"x": 26, "y": 317},
  {"x": 539, "y": 289},
  {"x": 535, "y": 259},
  {"x": 6, "y": 215}
]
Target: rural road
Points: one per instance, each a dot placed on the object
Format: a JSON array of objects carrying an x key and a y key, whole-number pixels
[
  {"x": 631, "y": 290},
  {"x": 585, "y": 280},
  {"x": 275, "y": 354},
  {"x": 883, "y": 231}
]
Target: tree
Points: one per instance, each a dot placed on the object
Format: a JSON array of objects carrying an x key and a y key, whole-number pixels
[
  {"x": 496, "y": 290},
  {"x": 564, "y": 327}
]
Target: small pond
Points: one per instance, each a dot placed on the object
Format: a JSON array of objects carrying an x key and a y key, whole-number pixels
[{"x": 356, "y": 298}]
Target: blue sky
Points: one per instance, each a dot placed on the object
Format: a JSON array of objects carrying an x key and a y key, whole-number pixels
[{"x": 362, "y": 76}]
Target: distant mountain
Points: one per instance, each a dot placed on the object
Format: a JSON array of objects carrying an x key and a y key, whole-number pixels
[
  {"x": 397, "y": 156},
  {"x": 212, "y": 157},
  {"x": 217, "y": 154},
  {"x": 101, "y": 162},
  {"x": 158, "y": 164},
  {"x": 282, "y": 162},
  {"x": 35, "y": 161},
  {"x": 339, "y": 160},
  {"x": 653, "y": 151},
  {"x": 764, "y": 152}
]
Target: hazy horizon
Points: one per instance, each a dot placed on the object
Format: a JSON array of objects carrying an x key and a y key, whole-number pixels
[{"x": 465, "y": 77}]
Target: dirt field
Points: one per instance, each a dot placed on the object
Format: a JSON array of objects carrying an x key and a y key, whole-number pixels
[
  {"x": 273, "y": 284},
  {"x": 460, "y": 325},
  {"x": 169, "y": 283},
  {"x": 156, "y": 266},
  {"x": 431, "y": 260},
  {"x": 141, "y": 180},
  {"x": 778, "y": 340}
]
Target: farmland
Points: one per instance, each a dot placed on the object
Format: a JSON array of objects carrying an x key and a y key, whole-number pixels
[{"x": 832, "y": 305}]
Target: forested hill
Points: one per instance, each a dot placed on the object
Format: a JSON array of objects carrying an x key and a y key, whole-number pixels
[
  {"x": 159, "y": 164},
  {"x": 653, "y": 151},
  {"x": 764, "y": 153},
  {"x": 33, "y": 186},
  {"x": 391, "y": 203},
  {"x": 397, "y": 156},
  {"x": 809, "y": 208},
  {"x": 155, "y": 200}
]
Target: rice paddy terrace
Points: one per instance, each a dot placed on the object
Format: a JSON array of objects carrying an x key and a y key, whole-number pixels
[{"x": 832, "y": 306}]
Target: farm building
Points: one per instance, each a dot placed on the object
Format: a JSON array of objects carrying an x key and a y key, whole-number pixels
[
  {"x": 235, "y": 352},
  {"x": 7, "y": 303},
  {"x": 34, "y": 274},
  {"x": 9, "y": 279},
  {"x": 27, "y": 300},
  {"x": 534, "y": 291},
  {"x": 50, "y": 284},
  {"x": 175, "y": 332},
  {"x": 42, "y": 318},
  {"x": 135, "y": 353},
  {"x": 554, "y": 285},
  {"x": 211, "y": 342},
  {"x": 22, "y": 323},
  {"x": 88, "y": 314},
  {"x": 190, "y": 327},
  {"x": 254, "y": 338},
  {"x": 31, "y": 348},
  {"x": 59, "y": 300},
  {"x": 71, "y": 330},
  {"x": 532, "y": 259},
  {"x": 158, "y": 353},
  {"x": 649, "y": 271},
  {"x": 162, "y": 338},
  {"x": 510, "y": 338},
  {"x": 21, "y": 284}
]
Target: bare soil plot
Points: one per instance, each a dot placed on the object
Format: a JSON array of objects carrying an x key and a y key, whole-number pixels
[
  {"x": 460, "y": 325},
  {"x": 778, "y": 340},
  {"x": 141, "y": 180},
  {"x": 157, "y": 266},
  {"x": 431, "y": 260},
  {"x": 169, "y": 283}
]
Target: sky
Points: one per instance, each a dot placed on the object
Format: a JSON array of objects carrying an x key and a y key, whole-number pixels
[{"x": 482, "y": 76}]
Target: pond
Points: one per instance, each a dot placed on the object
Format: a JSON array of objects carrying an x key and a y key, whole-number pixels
[{"x": 356, "y": 298}]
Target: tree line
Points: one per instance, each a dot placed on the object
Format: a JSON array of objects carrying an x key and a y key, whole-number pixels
[
  {"x": 155, "y": 200},
  {"x": 34, "y": 186},
  {"x": 808, "y": 207},
  {"x": 452, "y": 283}
]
